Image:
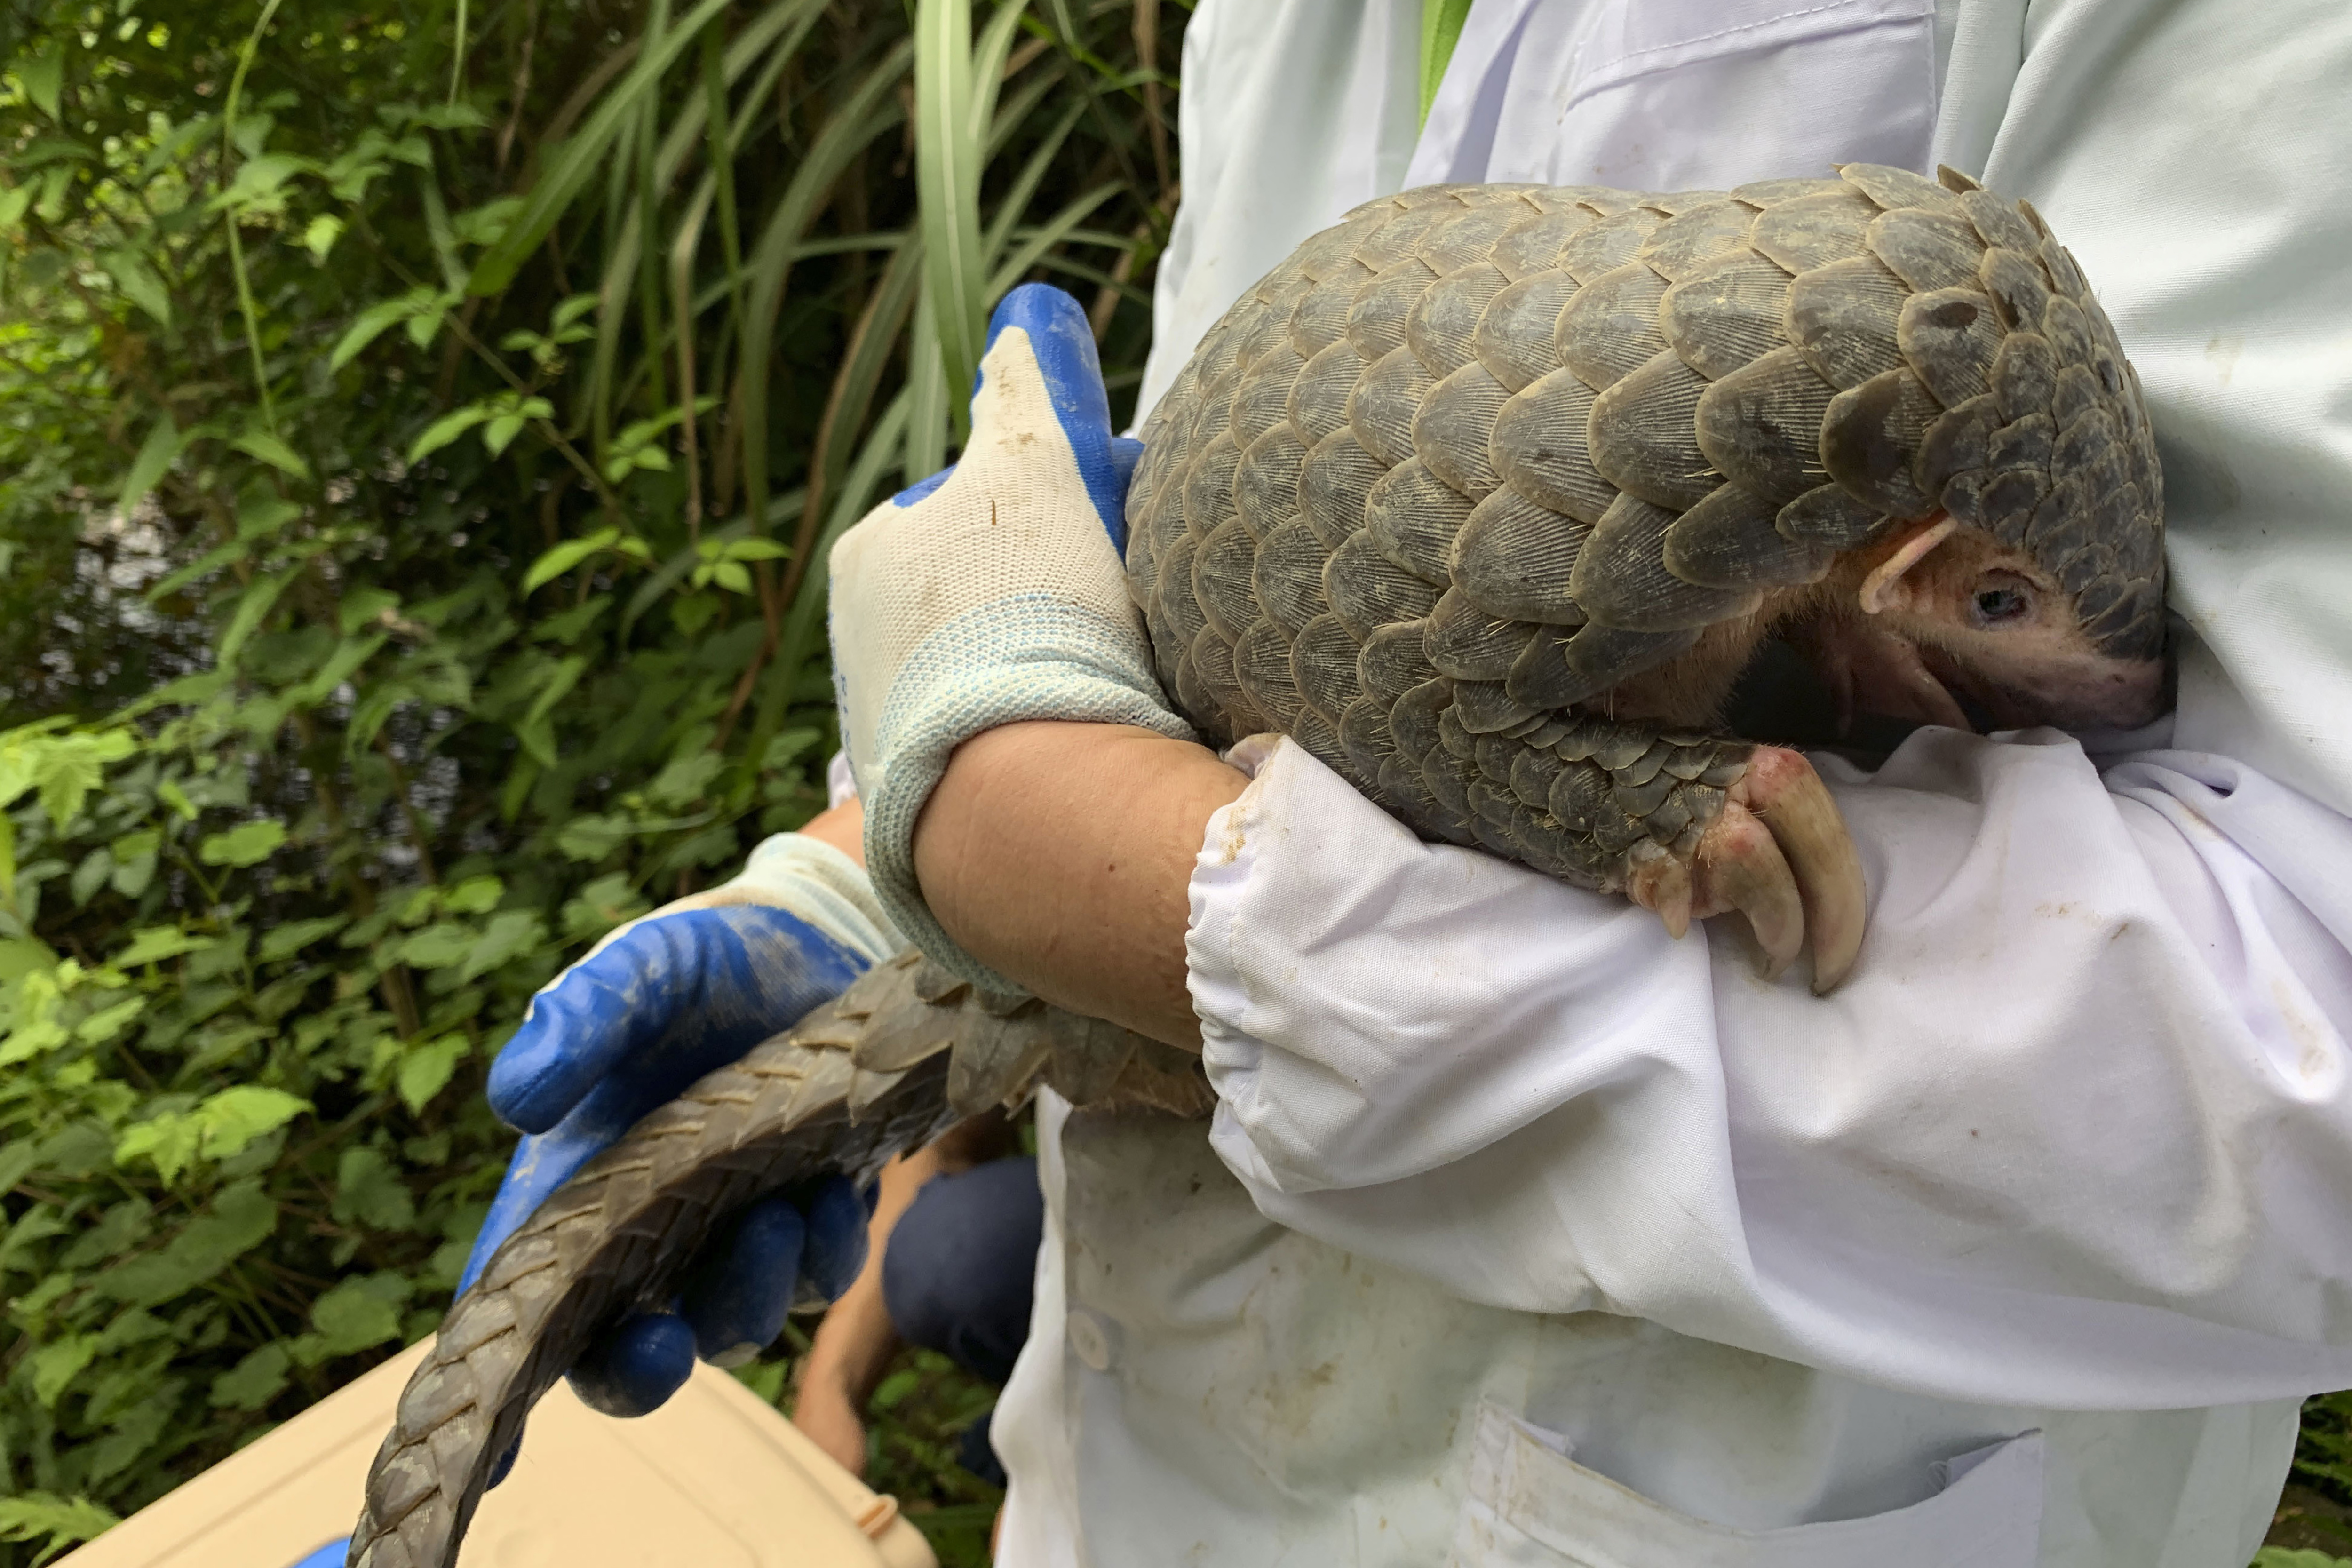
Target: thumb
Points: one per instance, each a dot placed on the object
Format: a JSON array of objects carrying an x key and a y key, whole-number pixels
[{"x": 1052, "y": 339}]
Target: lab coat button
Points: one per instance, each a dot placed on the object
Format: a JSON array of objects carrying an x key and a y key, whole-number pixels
[{"x": 1088, "y": 1340}]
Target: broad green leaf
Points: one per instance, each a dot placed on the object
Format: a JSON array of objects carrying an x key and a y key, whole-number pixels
[
  {"x": 258, "y": 598},
  {"x": 53, "y": 1520},
  {"x": 562, "y": 558},
  {"x": 58, "y": 1364},
  {"x": 156, "y": 944},
  {"x": 447, "y": 428},
  {"x": 43, "y": 78},
  {"x": 507, "y": 936},
  {"x": 139, "y": 283},
  {"x": 253, "y": 1382},
  {"x": 155, "y": 454},
  {"x": 320, "y": 235},
  {"x": 285, "y": 941},
  {"x": 240, "y": 1219},
  {"x": 474, "y": 896},
  {"x": 353, "y": 1316},
  {"x": 437, "y": 946},
  {"x": 426, "y": 1069},
  {"x": 108, "y": 1022},
  {"x": 369, "y": 1191},
  {"x": 377, "y": 319},
  {"x": 248, "y": 844},
  {"x": 273, "y": 450},
  {"x": 237, "y": 1116}
]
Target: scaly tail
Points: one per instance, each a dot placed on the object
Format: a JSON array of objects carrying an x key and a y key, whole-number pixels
[{"x": 891, "y": 1063}]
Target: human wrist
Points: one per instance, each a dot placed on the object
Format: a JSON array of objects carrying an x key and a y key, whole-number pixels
[{"x": 1060, "y": 854}]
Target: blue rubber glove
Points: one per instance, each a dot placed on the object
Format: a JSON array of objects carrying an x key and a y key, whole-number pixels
[
  {"x": 660, "y": 1002},
  {"x": 990, "y": 594}
]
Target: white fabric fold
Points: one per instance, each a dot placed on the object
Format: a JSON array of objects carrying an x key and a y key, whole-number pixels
[{"x": 2075, "y": 1134}]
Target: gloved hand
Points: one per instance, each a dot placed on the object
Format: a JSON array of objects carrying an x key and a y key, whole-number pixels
[
  {"x": 657, "y": 1003},
  {"x": 990, "y": 594}
]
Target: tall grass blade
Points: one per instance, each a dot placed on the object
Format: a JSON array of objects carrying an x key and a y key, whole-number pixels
[
  {"x": 579, "y": 159},
  {"x": 948, "y": 156}
]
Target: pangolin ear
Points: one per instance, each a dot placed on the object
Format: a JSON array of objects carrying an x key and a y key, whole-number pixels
[{"x": 1913, "y": 542}]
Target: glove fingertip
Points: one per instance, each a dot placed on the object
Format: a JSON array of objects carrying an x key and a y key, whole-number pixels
[
  {"x": 837, "y": 1239},
  {"x": 636, "y": 1367},
  {"x": 737, "y": 1301}
]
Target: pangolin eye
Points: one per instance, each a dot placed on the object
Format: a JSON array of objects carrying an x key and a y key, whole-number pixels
[{"x": 1995, "y": 606}]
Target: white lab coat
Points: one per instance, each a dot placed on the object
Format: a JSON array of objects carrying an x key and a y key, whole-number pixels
[{"x": 1526, "y": 1234}]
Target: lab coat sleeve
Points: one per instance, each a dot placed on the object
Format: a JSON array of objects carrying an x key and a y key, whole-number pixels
[{"x": 2076, "y": 1133}]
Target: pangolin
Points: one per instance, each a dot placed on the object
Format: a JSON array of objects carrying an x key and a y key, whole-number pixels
[{"x": 1486, "y": 496}]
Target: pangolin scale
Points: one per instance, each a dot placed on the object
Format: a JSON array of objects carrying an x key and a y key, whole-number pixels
[{"x": 1428, "y": 494}]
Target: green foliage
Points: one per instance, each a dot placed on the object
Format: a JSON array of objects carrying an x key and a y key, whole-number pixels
[{"x": 421, "y": 434}]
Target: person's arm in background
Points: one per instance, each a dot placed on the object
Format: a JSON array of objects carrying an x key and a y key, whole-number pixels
[{"x": 854, "y": 1343}]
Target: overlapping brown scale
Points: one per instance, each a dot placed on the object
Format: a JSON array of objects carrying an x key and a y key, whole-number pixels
[
  {"x": 1262, "y": 400},
  {"x": 1539, "y": 446},
  {"x": 1323, "y": 665},
  {"x": 1608, "y": 244},
  {"x": 1761, "y": 425},
  {"x": 1468, "y": 238},
  {"x": 1209, "y": 484},
  {"x": 1869, "y": 438},
  {"x": 1287, "y": 577},
  {"x": 2019, "y": 288},
  {"x": 1731, "y": 541},
  {"x": 1440, "y": 326},
  {"x": 1394, "y": 659},
  {"x": 1726, "y": 314},
  {"x": 1622, "y": 581},
  {"x": 1892, "y": 187},
  {"x": 1212, "y": 662},
  {"x": 1376, "y": 317},
  {"x": 1514, "y": 338},
  {"x": 1610, "y": 327},
  {"x": 1674, "y": 203},
  {"x": 1464, "y": 640},
  {"x": 1318, "y": 397},
  {"x": 1266, "y": 480},
  {"x": 1826, "y": 517},
  {"x": 1395, "y": 240},
  {"x": 1773, "y": 193},
  {"x": 2024, "y": 376},
  {"x": 1644, "y": 434},
  {"x": 1697, "y": 235},
  {"x": 1381, "y": 408},
  {"x": 1813, "y": 231},
  {"x": 1412, "y": 516},
  {"x": 1948, "y": 337},
  {"x": 1516, "y": 558},
  {"x": 1533, "y": 244},
  {"x": 1262, "y": 667},
  {"x": 1928, "y": 249},
  {"x": 1222, "y": 564},
  {"x": 1453, "y": 428},
  {"x": 1321, "y": 316},
  {"x": 1843, "y": 317},
  {"x": 1599, "y": 658},
  {"x": 1333, "y": 483},
  {"x": 1368, "y": 590}
]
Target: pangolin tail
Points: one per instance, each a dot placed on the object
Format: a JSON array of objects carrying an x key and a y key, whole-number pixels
[{"x": 885, "y": 1066}]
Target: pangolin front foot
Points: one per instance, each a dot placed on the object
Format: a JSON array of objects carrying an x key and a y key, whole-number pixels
[{"x": 1777, "y": 852}]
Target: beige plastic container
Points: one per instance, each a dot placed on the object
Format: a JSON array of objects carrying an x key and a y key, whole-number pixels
[{"x": 715, "y": 1478}]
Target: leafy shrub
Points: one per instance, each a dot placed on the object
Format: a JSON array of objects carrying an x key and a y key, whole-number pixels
[{"x": 406, "y": 573}]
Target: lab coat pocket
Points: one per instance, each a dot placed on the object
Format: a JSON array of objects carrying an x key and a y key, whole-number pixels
[
  {"x": 1675, "y": 95},
  {"x": 1532, "y": 1505}
]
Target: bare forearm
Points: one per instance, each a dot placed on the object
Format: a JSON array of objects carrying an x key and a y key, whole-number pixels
[{"x": 1060, "y": 855}]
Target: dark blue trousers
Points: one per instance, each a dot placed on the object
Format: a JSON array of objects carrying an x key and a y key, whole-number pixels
[{"x": 960, "y": 1272}]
